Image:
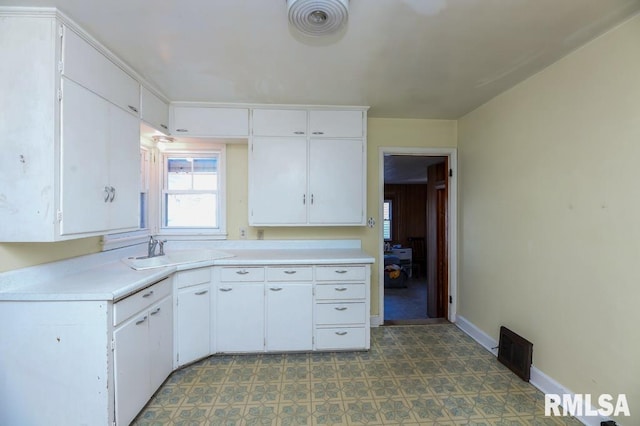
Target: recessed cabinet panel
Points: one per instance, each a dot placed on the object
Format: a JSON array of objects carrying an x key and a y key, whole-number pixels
[
  {"x": 90, "y": 68},
  {"x": 240, "y": 317},
  {"x": 194, "y": 323},
  {"x": 336, "y": 124},
  {"x": 289, "y": 316},
  {"x": 279, "y": 122},
  {"x": 210, "y": 121}
]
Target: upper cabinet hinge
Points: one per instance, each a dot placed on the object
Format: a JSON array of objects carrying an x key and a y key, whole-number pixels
[
  {"x": 59, "y": 215},
  {"x": 113, "y": 344},
  {"x": 450, "y": 172},
  {"x": 59, "y": 95},
  {"x": 61, "y": 31},
  {"x": 60, "y": 66},
  {"x": 450, "y": 299}
]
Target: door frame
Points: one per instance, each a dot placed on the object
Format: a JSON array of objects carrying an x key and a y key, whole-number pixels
[{"x": 452, "y": 155}]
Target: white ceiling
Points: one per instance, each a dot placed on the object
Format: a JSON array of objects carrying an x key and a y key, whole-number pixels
[{"x": 404, "y": 58}]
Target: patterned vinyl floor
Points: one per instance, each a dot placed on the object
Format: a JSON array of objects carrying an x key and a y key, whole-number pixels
[{"x": 413, "y": 375}]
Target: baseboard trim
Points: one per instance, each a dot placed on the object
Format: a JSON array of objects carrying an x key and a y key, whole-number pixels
[
  {"x": 540, "y": 380},
  {"x": 376, "y": 321}
]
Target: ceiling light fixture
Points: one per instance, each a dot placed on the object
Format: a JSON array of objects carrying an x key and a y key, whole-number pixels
[
  {"x": 162, "y": 139},
  {"x": 318, "y": 17}
]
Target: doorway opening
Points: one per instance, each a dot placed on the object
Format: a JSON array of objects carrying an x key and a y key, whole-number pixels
[{"x": 417, "y": 244}]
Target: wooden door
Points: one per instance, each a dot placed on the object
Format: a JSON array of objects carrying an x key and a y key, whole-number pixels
[{"x": 437, "y": 242}]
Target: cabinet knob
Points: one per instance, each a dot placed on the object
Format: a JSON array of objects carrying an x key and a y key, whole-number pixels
[
  {"x": 112, "y": 190},
  {"x": 107, "y": 193}
]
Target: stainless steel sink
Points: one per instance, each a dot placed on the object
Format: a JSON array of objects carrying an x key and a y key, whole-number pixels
[{"x": 173, "y": 258}]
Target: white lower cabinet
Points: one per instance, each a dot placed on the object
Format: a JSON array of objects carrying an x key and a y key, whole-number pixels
[
  {"x": 289, "y": 316},
  {"x": 143, "y": 348},
  {"x": 194, "y": 317},
  {"x": 342, "y": 307},
  {"x": 240, "y": 316}
]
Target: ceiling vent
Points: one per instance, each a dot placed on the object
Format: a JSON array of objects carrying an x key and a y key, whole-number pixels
[{"x": 318, "y": 17}]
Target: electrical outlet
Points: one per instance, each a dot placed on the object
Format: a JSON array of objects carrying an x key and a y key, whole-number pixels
[{"x": 243, "y": 233}]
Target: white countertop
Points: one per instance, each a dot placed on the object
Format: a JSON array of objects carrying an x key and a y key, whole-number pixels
[{"x": 104, "y": 277}]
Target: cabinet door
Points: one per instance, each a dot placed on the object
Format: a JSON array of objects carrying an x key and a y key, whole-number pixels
[
  {"x": 153, "y": 110},
  {"x": 240, "y": 317},
  {"x": 131, "y": 366},
  {"x": 161, "y": 342},
  {"x": 210, "y": 121},
  {"x": 84, "y": 164},
  {"x": 336, "y": 124},
  {"x": 90, "y": 68},
  {"x": 194, "y": 322},
  {"x": 279, "y": 122},
  {"x": 124, "y": 169},
  {"x": 336, "y": 181},
  {"x": 289, "y": 316},
  {"x": 278, "y": 181}
]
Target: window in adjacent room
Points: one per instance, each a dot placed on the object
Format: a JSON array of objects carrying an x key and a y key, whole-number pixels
[
  {"x": 192, "y": 192},
  {"x": 386, "y": 220}
]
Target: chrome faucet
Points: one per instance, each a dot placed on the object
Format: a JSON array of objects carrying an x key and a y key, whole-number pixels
[{"x": 151, "y": 247}]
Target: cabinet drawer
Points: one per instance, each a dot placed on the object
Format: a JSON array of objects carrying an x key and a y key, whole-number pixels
[
  {"x": 340, "y": 273},
  {"x": 141, "y": 300},
  {"x": 340, "y": 291},
  {"x": 241, "y": 274},
  {"x": 193, "y": 277},
  {"x": 340, "y": 313},
  {"x": 290, "y": 274},
  {"x": 341, "y": 338}
]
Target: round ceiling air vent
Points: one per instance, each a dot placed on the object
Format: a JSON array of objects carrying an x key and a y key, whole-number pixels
[{"x": 318, "y": 17}]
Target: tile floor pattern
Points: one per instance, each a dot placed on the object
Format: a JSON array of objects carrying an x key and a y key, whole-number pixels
[{"x": 413, "y": 375}]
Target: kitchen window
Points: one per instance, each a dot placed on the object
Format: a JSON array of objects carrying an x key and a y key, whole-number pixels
[{"x": 192, "y": 193}]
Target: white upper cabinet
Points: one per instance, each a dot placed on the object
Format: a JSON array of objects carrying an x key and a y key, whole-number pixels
[
  {"x": 279, "y": 122},
  {"x": 85, "y": 65},
  {"x": 71, "y": 141},
  {"x": 154, "y": 111},
  {"x": 209, "y": 121},
  {"x": 299, "y": 177},
  {"x": 336, "y": 124}
]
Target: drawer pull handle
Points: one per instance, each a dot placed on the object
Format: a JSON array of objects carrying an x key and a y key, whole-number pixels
[
  {"x": 141, "y": 321},
  {"x": 298, "y": 133},
  {"x": 340, "y": 308},
  {"x": 132, "y": 108},
  {"x": 290, "y": 272},
  {"x": 275, "y": 288},
  {"x": 182, "y": 130},
  {"x": 341, "y": 333},
  {"x": 157, "y": 311},
  {"x": 341, "y": 289},
  {"x": 341, "y": 271},
  {"x": 148, "y": 294},
  {"x": 225, "y": 289},
  {"x": 318, "y": 133},
  {"x": 164, "y": 126},
  {"x": 242, "y": 272},
  {"x": 200, "y": 293}
]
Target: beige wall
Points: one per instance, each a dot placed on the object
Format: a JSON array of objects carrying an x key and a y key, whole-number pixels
[
  {"x": 550, "y": 215},
  {"x": 381, "y": 132}
]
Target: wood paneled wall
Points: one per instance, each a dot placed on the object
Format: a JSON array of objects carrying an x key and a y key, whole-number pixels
[{"x": 409, "y": 215}]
